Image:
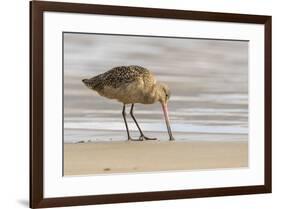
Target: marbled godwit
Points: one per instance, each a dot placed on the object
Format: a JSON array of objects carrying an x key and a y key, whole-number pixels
[{"x": 130, "y": 85}]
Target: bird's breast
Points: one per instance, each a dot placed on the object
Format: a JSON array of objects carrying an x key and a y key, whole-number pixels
[{"x": 134, "y": 92}]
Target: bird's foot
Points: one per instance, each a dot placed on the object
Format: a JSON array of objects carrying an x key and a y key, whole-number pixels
[
  {"x": 131, "y": 139},
  {"x": 172, "y": 138},
  {"x": 143, "y": 137}
]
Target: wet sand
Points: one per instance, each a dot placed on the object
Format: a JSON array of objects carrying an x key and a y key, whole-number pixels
[{"x": 148, "y": 156}]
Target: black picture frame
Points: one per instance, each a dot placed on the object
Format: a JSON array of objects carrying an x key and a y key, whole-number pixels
[{"x": 37, "y": 8}]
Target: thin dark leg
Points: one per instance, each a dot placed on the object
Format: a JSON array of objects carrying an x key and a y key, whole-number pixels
[
  {"x": 132, "y": 114},
  {"x": 124, "y": 117},
  {"x": 141, "y": 133}
]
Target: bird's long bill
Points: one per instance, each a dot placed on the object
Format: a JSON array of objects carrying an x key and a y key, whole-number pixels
[{"x": 166, "y": 114}]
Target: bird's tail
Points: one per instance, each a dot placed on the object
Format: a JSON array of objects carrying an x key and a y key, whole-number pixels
[
  {"x": 91, "y": 83},
  {"x": 86, "y": 81}
]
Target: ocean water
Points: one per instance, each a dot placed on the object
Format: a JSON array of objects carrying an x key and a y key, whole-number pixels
[{"x": 208, "y": 80}]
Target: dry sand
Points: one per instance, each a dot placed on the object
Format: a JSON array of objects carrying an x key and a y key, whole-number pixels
[{"x": 147, "y": 156}]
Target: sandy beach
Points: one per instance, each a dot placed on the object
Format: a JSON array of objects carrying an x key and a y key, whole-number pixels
[{"x": 148, "y": 156}]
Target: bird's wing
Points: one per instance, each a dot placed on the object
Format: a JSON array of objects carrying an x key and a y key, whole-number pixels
[{"x": 120, "y": 76}]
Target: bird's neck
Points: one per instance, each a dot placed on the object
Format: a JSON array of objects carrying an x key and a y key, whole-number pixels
[{"x": 151, "y": 96}]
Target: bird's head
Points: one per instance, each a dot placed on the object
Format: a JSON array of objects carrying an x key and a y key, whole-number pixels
[{"x": 163, "y": 93}]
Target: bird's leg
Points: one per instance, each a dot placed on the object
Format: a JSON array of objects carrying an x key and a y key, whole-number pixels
[
  {"x": 142, "y": 136},
  {"x": 124, "y": 116}
]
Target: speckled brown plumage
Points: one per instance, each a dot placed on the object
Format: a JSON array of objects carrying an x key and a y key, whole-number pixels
[{"x": 119, "y": 76}]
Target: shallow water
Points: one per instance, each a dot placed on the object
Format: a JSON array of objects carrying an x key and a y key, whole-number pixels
[{"x": 208, "y": 80}]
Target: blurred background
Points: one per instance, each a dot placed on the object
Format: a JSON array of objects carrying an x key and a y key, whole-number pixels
[{"x": 208, "y": 80}]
